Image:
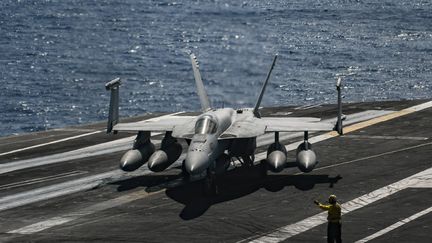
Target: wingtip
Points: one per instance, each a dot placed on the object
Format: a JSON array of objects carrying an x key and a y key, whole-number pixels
[{"x": 339, "y": 82}]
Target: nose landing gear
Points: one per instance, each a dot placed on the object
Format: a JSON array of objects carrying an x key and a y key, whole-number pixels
[{"x": 210, "y": 187}]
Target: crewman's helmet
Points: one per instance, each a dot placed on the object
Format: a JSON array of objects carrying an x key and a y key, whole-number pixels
[{"x": 332, "y": 199}]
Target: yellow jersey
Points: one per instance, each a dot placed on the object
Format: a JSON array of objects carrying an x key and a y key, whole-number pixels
[{"x": 334, "y": 212}]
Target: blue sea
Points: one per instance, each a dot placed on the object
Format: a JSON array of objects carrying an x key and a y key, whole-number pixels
[{"x": 56, "y": 55}]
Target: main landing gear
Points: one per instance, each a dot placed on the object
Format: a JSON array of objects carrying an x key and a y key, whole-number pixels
[{"x": 247, "y": 160}]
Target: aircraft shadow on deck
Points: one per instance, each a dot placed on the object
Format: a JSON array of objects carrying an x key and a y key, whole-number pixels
[{"x": 231, "y": 185}]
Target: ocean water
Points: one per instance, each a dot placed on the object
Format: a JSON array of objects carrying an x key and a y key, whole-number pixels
[{"x": 56, "y": 55}]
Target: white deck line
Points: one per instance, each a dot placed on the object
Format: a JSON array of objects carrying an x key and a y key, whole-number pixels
[
  {"x": 78, "y": 136},
  {"x": 42, "y": 179},
  {"x": 37, "y": 227},
  {"x": 286, "y": 232},
  {"x": 95, "y": 150},
  {"x": 64, "y": 188},
  {"x": 395, "y": 225},
  {"x": 52, "y": 142},
  {"x": 69, "y": 187}
]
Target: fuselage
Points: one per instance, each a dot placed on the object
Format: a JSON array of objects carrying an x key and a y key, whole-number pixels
[{"x": 205, "y": 147}]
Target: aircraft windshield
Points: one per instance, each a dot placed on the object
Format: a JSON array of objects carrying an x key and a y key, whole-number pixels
[{"x": 205, "y": 125}]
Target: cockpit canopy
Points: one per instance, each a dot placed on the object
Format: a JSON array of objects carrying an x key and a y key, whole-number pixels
[{"x": 205, "y": 125}]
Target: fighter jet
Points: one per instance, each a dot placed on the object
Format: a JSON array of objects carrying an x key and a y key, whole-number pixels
[{"x": 216, "y": 137}]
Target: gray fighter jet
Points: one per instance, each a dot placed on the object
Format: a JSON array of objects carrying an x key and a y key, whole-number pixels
[{"x": 216, "y": 137}]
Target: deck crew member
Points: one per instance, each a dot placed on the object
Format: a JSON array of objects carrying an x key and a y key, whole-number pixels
[{"x": 334, "y": 227}]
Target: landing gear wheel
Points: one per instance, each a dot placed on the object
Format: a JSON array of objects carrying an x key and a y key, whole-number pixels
[
  {"x": 209, "y": 184},
  {"x": 249, "y": 160}
]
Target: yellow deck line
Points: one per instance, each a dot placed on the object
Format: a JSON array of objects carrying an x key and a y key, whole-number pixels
[{"x": 383, "y": 118}]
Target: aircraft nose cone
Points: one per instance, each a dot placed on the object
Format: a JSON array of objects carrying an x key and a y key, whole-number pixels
[{"x": 196, "y": 162}]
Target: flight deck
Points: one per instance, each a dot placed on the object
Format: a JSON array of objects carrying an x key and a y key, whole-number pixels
[{"x": 65, "y": 185}]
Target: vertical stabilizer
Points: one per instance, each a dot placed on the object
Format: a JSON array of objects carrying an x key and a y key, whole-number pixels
[
  {"x": 205, "y": 103},
  {"x": 113, "y": 117},
  {"x": 258, "y": 103}
]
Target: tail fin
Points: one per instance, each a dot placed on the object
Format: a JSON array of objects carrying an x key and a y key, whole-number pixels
[
  {"x": 205, "y": 103},
  {"x": 258, "y": 103},
  {"x": 338, "y": 126},
  {"x": 113, "y": 117}
]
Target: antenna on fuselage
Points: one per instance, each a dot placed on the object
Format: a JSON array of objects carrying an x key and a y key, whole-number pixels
[
  {"x": 205, "y": 103},
  {"x": 258, "y": 103}
]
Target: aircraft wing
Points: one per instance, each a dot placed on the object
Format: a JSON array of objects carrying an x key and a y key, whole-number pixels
[
  {"x": 243, "y": 129},
  {"x": 259, "y": 126},
  {"x": 294, "y": 124},
  {"x": 157, "y": 124}
]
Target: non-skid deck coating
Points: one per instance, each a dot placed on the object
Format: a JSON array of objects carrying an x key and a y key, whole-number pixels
[{"x": 380, "y": 171}]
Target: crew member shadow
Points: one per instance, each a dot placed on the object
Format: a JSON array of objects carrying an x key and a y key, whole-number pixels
[{"x": 231, "y": 185}]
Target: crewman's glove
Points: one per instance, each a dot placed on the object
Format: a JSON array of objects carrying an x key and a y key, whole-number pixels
[{"x": 316, "y": 202}]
